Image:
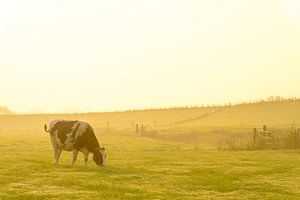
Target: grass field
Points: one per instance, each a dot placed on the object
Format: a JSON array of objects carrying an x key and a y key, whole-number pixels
[
  {"x": 145, "y": 168},
  {"x": 141, "y": 168}
]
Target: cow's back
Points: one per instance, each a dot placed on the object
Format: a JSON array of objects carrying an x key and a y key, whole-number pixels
[{"x": 69, "y": 135}]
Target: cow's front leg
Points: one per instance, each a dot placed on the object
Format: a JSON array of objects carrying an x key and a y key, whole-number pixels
[
  {"x": 57, "y": 153},
  {"x": 75, "y": 153},
  {"x": 86, "y": 156}
]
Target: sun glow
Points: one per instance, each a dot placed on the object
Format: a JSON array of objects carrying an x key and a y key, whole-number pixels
[
  {"x": 292, "y": 8},
  {"x": 96, "y": 55}
]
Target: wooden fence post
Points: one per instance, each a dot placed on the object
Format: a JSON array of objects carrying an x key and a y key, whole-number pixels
[
  {"x": 254, "y": 137},
  {"x": 142, "y": 129},
  {"x": 264, "y": 128},
  {"x": 137, "y": 129},
  {"x": 273, "y": 141}
]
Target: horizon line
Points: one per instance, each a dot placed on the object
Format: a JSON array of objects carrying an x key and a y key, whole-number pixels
[{"x": 258, "y": 101}]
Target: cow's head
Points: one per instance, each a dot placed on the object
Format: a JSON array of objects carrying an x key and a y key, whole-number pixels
[{"x": 99, "y": 156}]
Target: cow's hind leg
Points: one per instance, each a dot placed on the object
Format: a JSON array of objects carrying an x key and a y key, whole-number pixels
[
  {"x": 75, "y": 153},
  {"x": 57, "y": 153}
]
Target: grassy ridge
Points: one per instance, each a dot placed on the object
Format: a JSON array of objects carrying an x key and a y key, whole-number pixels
[
  {"x": 274, "y": 114},
  {"x": 117, "y": 120}
]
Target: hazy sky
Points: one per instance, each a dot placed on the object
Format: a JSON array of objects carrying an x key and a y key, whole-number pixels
[{"x": 60, "y": 55}]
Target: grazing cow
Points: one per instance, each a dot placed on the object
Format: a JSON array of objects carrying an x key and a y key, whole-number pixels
[{"x": 75, "y": 136}]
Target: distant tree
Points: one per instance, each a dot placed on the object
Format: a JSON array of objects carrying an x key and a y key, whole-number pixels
[{"x": 5, "y": 111}]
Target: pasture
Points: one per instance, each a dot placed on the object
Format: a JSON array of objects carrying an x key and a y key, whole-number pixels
[
  {"x": 138, "y": 167},
  {"x": 141, "y": 168}
]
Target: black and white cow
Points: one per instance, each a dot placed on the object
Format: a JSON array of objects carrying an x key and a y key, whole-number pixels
[{"x": 75, "y": 136}]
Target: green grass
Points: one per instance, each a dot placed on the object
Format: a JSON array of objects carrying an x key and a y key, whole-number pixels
[
  {"x": 144, "y": 168},
  {"x": 141, "y": 168}
]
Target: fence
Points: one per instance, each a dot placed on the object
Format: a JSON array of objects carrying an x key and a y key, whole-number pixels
[{"x": 263, "y": 139}]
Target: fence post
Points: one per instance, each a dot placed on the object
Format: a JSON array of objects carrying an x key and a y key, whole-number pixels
[
  {"x": 273, "y": 142},
  {"x": 107, "y": 125},
  {"x": 142, "y": 129},
  {"x": 297, "y": 139},
  {"x": 137, "y": 129},
  {"x": 254, "y": 137},
  {"x": 264, "y": 128}
]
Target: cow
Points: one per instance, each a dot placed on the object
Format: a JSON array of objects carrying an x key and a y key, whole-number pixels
[{"x": 75, "y": 136}]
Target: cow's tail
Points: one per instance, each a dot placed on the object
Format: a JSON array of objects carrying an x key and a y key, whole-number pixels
[{"x": 46, "y": 128}]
